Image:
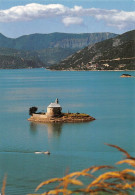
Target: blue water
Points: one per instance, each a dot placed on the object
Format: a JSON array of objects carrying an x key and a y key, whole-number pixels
[{"x": 103, "y": 95}]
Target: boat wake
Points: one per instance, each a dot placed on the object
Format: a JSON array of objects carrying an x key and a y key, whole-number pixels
[
  {"x": 47, "y": 152},
  {"x": 22, "y": 152}
]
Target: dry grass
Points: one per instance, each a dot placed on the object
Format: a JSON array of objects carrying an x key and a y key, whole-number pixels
[
  {"x": 76, "y": 115},
  {"x": 110, "y": 182},
  {"x": 4, "y": 185}
]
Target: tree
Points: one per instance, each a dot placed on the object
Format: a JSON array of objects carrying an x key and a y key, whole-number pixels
[{"x": 32, "y": 110}]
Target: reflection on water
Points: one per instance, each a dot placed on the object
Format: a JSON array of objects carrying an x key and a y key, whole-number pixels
[
  {"x": 53, "y": 129},
  {"x": 33, "y": 127}
]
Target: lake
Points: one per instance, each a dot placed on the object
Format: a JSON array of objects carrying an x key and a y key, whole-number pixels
[{"x": 103, "y": 95}]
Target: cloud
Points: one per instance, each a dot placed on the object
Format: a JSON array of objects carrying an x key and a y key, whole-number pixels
[
  {"x": 72, "y": 20},
  {"x": 31, "y": 11},
  {"x": 69, "y": 16}
]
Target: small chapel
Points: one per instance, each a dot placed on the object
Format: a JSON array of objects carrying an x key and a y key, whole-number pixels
[
  {"x": 54, "y": 109},
  {"x": 54, "y": 114}
]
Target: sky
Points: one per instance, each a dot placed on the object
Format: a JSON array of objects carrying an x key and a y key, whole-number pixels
[{"x": 23, "y": 17}]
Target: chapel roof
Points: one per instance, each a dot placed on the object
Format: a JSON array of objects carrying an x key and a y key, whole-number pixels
[{"x": 55, "y": 104}]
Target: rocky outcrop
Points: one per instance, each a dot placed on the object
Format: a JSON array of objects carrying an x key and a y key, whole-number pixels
[{"x": 126, "y": 75}]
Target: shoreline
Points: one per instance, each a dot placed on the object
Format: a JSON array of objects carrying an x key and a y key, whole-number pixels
[
  {"x": 68, "y": 70},
  {"x": 64, "y": 118},
  {"x": 93, "y": 70}
]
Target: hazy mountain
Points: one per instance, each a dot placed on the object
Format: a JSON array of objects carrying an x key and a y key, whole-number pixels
[
  {"x": 54, "y": 55},
  {"x": 115, "y": 53},
  {"x": 52, "y": 40},
  {"x": 49, "y": 48}
]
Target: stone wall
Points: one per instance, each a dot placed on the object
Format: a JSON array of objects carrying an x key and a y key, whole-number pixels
[
  {"x": 39, "y": 116},
  {"x": 52, "y": 112}
]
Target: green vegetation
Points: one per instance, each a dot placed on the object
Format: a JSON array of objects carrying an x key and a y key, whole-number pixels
[
  {"x": 32, "y": 110},
  {"x": 50, "y": 56},
  {"x": 113, "y": 54},
  {"x": 15, "y": 59},
  {"x": 11, "y": 62}
]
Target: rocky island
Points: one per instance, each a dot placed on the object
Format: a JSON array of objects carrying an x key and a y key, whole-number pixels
[
  {"x": 54, "y": 115},
  {"x": 126, "y": 75}
]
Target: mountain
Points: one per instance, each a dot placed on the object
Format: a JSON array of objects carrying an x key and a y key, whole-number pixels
[
  {"x": 60, "y": 40},
  {"x": 47, "y": 48},
  {"x": 54, "y": 55},
  {"x": 113, "y": 54},
  {"x": 16, "y": 59}
]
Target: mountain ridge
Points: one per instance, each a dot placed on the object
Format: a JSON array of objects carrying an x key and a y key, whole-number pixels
[
  {"x": 39, "y": 41},
  {"x": 49, "y": 48},
  {"x": 117, "y": 53}
]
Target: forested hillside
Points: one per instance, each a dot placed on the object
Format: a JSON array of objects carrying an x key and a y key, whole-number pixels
[{"x": 113, "y": 54}]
